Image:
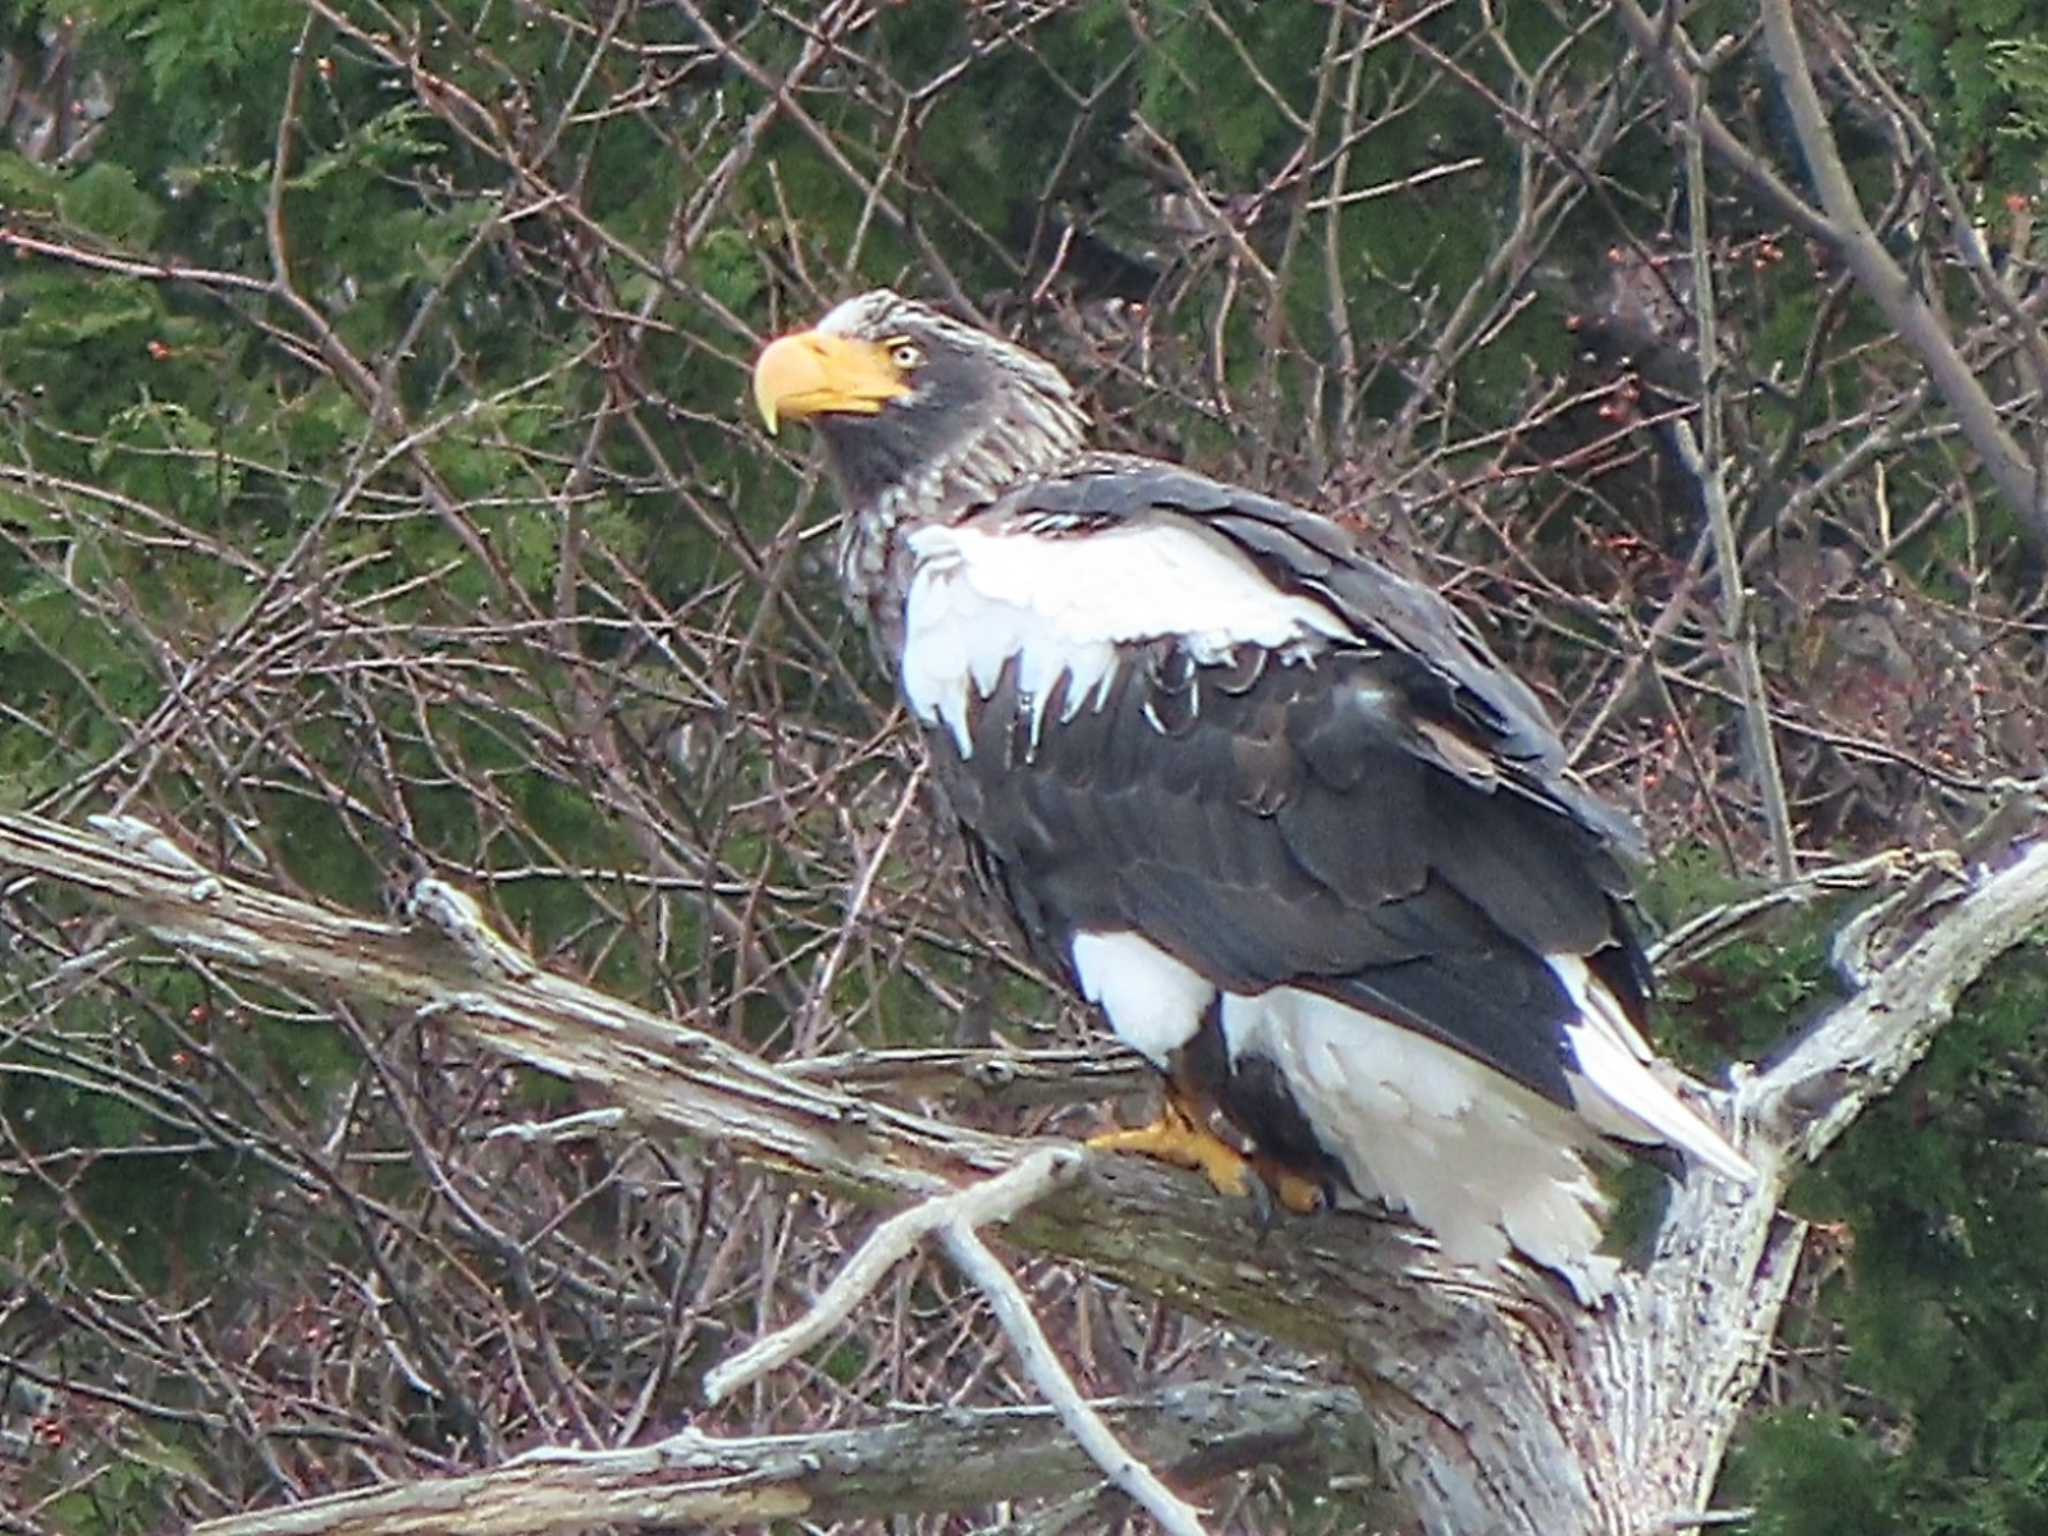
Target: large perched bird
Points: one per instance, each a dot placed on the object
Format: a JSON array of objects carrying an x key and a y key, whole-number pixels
[{"x": 1277, "y": 810}]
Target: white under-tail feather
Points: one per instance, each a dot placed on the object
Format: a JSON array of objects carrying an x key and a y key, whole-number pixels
[{"x": 1482, "y": 1162}]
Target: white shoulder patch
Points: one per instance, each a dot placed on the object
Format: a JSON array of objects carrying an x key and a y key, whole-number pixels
[{"x": 1060, "y": 605}]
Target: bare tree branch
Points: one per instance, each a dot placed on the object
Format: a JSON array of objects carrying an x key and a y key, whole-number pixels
[
  {"x": 1128, "y": 1473},
  {"x": 1718, "y": 927},
  {"x": 995, "y": 1199},
  {"x": 1900, "y": 299},
  {"x": 1663, "y": 43},
  {"x": 1616, "y": 1418},
  {"x": 1914, "y": 954},
  {"x": 946, "y": 1458},
  {"x": 1705, "y": 458}
]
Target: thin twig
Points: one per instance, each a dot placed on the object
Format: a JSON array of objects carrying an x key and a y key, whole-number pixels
[
  {"x": 1013, "y": 1312},
  {"x": 1738, "y": 631},
  {"x": 994, "y": 1199},
  {"x": 856, "y": 905}
]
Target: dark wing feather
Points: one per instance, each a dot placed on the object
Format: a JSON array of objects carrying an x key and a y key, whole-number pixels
[
  {"x": 1387, "y": 821},
  {"x": 1468, "y": 690}
]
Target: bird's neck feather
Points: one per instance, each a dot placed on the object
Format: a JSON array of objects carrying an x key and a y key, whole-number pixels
[{"x": 1030, "y": 436}]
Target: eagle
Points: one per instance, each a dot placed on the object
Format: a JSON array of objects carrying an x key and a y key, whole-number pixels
[{"x": 1275, "y": 809}]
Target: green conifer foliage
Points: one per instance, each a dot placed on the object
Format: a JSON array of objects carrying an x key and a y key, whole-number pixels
[{"x": 378, "y": 494}]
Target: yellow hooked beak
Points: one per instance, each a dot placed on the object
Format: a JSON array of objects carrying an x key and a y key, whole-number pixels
[{"x": 810, "y": 373}]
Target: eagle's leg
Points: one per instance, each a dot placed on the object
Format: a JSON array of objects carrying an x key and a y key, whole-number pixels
[
  {"x": 1188, "y": 1134},
  {"x": 1176, "y": 1137}
]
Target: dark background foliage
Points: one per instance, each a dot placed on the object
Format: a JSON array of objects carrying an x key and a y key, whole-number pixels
[{"x": 377, "y": 493}]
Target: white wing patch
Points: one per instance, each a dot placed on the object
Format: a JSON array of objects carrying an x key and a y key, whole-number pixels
[{"x": 1062, "y": 605}]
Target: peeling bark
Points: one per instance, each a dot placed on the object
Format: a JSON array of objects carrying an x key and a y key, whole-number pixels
[
  {"x": 1500, "y": 1404},
  {"x": 950, "y": 1458}
]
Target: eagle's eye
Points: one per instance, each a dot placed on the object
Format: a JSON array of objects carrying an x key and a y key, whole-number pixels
[{"x": 906, "y": 355}]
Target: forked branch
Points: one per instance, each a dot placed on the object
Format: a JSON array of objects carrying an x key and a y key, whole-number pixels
[{"x": 1594, "y": 1421}]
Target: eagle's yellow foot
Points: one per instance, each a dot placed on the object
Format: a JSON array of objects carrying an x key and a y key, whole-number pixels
[
  {"x": 1176, "y": 1139},
  {"x": 1302, "y": 1196}
]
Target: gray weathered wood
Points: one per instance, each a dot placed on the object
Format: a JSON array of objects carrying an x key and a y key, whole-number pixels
[
  {"x": 949, "y": 1458},
  {"x": 1501, "y": 1405}
]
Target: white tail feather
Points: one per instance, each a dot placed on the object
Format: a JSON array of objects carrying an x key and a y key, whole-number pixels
[{"x": 1619, "y": 1093}]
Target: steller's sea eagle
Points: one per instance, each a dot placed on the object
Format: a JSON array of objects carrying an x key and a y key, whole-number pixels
[{"x": 1277, "y": 810}]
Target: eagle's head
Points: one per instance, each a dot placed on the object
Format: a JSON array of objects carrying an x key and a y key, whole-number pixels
[{"x": 923, "y": 417}]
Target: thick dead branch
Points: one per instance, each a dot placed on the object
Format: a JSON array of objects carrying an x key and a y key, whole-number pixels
[
  {"x": 471, "y": 979},
  {"x": 1600, "y": 1421},
  {"x": 945, "y": 1459},
  {"x": 985, "y": 1074},
  {"x": 1916, "y": 953}
]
